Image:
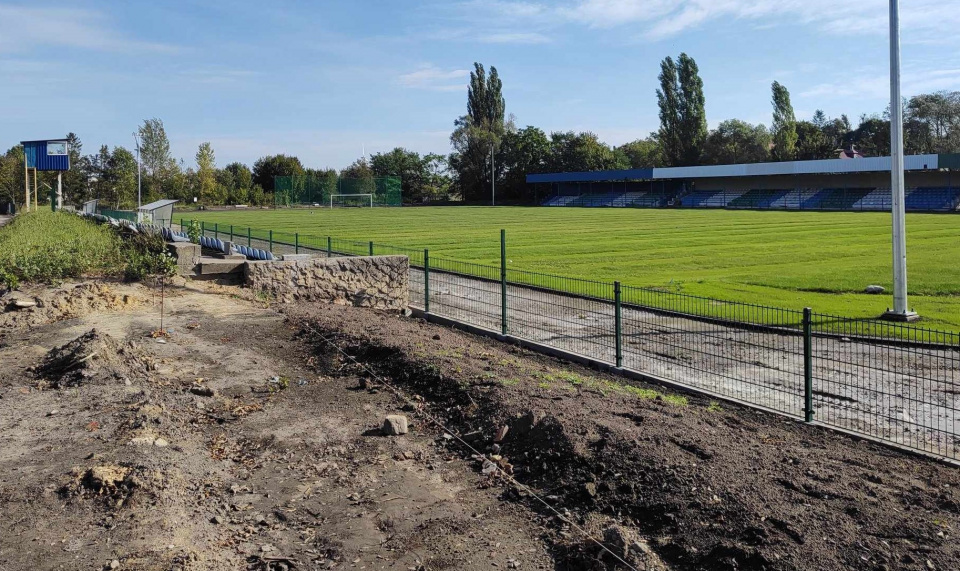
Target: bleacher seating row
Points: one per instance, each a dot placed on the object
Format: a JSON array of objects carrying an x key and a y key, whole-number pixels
[
  {"x": 856, "y": 199},
  {"x": 654, "y": 199}
]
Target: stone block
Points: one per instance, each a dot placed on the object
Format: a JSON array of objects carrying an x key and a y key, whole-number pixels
[{"x": 187, "y": 255}]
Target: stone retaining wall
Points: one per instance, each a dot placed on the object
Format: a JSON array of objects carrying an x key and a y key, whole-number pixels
[{"x": 380, "y": 282}]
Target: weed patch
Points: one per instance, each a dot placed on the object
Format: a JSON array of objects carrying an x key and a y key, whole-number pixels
[{"x": 47, "y": 246}]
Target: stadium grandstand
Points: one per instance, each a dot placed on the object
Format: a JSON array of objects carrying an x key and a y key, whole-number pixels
[{"x": 832, "y": 184}]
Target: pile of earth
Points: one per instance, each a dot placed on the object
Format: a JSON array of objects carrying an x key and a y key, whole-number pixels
[
  {"x": 19, "y": 309},
  {"x": 94, "y": 357},
  {"x": 704, "y": 486}
]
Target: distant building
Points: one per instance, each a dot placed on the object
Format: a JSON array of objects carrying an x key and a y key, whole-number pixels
[{"x": 851, "y": 153}]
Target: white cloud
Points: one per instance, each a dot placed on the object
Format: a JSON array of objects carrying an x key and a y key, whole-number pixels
[
  {"x": 435, "y": 79},
  {"x": 875, "y": 84},
  {"x": 922, "y": 21},
  {"x": 24, "y": 29},
  {"x": 217, "y": 76},
  {"x": 513, "y": 38}
]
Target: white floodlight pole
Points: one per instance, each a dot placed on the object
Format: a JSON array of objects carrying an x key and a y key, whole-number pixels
[
  {"x": 136, "y": 139},
  {"x": 900, "y": 312}
]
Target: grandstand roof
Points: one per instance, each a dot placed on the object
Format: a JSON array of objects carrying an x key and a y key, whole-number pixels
[{"x": 826, "y": 166}]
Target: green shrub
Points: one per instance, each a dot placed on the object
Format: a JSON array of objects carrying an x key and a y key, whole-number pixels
[
  {"x": 146, "y": 255},
  {"x": 48, "y": 246},
  {"x": 194, "y": 231}
]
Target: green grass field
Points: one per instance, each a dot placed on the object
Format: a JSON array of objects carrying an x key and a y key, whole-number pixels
[{"x": 785, "y": 259}]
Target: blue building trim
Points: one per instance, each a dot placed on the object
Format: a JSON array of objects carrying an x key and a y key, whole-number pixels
[{"x": 594, "y": 176}]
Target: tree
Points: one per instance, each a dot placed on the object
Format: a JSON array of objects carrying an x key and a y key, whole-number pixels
[
  {"x": 439, "y": 183},
  {"x": 668, "y": 99},
  {"x": 241, "y": 175},
  {"x": 937, "y": 121},
  {"x": 405, "y": 164},
  {"x": 643, "y": 153},
  {"x": 522, "y": 152},
  {"x": 158, "y": 164},
  {"x": 683, "y": 118},
  {"x": 257, "y": 196},
  {"x": 784, "y": 125},
  {"x": 576, "y": 152},
  {"x": 837, "y": 132},
  {"x": 736, "y": 141},
  {"x": 477, "y": 135},
  {"x": 120, "y": 178},
  {"x": 812, "y": 143},
  {"x": 238, "y": 180},
  {"x": 872, "y": 136},
  {"x": 358, "y": 178},
  {"x": 693, "y": 114},
  {"x": 76, "y": 180},
  {"x": 266, "y": 168},
  {"x": 207, "y": 174},
  {"x": 11, "y": 176}
]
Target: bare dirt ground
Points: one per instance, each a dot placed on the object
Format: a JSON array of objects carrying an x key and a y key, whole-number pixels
[
  {"x": 249, "y": 439},
  {"x": 184, "y": 455}
]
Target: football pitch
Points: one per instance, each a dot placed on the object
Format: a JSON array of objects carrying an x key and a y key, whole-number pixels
[{"x": 822, "y": 260}]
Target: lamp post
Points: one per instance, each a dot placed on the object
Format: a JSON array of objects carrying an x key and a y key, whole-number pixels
[
  {"x": 136, "y": 139},
  {"x": 899, "y": 311}
]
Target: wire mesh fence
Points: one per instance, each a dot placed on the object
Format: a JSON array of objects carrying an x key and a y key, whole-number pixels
[{"x": 898, "y": 383}]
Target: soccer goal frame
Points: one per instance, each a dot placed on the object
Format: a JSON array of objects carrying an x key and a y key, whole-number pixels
[{"x": 332, "y": 196}]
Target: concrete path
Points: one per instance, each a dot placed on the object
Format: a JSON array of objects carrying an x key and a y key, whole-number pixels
[{"x": 5, "y": 219}]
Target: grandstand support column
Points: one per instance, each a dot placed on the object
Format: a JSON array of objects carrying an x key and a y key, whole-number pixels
[{"x": 899, "y": 311}]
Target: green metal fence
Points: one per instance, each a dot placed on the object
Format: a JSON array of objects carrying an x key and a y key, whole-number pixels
[
  {"x": 317, "y": 189},
  {"x": 119, "y": 214},
  {"x": 898, "y": 383}
]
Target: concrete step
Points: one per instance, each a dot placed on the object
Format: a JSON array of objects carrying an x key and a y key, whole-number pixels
[{"x": 213, "y": 266}]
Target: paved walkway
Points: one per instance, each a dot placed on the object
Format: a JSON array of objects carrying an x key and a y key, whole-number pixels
[{"x": 5, "y": 219}]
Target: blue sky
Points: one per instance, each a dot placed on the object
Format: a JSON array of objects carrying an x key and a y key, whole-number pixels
[{"x": 324, "y": 79}]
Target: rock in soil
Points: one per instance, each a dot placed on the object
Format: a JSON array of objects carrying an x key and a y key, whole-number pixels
[{"x": 395, "y": 425}]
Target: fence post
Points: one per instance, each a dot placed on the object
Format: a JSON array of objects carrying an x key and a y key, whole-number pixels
[
  {"x": 203, "y": 228},
  {"x": 371, "y": 247},
  {"x": 426, "y": 281},
  {"x": 216, "y": 230},
  {"x": 329, "y": 247},
  {"x": 249, "y": 241},
  {"x": 807, "y": 367},
  {"x": 231, "y": 232},
  {"x": 271, "y": 241},
  {"x": 296, "y": 243},
  {"x": 503, "y": 281},
  {"x": 618, "y": 323}
]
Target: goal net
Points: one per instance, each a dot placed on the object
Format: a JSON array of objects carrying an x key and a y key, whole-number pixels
[{"x": 351, "y": 200}]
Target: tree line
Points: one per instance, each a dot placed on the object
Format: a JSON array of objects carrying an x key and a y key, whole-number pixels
[
  {"x": 488, "y": 149},
  {"x": 931, "y": 125}
]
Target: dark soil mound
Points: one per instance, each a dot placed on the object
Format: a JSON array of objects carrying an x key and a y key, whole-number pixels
[
  {"x": 707, "y": 486},
  {"x": 92, "y": 357}
]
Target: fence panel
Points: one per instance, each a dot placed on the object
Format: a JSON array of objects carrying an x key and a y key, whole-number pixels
[
  {"x": 747, "y": 352},
  {"x": 891, "y": 381}
]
